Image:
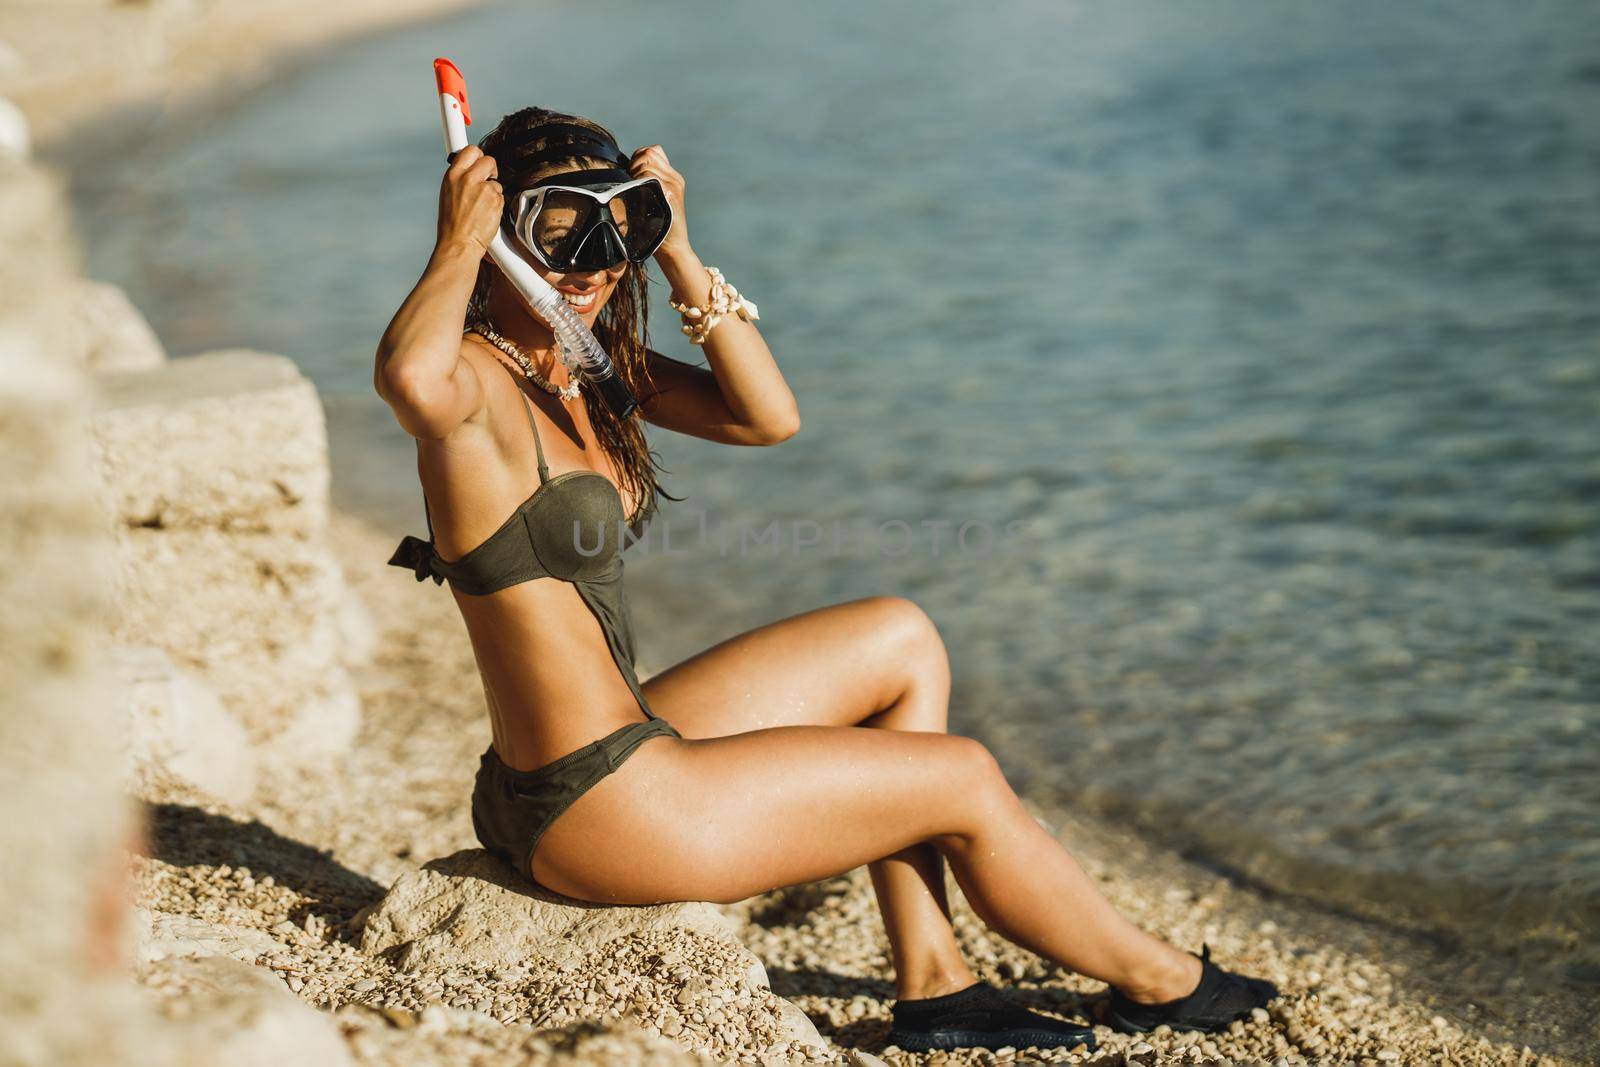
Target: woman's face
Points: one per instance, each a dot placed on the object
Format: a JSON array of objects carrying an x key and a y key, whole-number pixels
[{"x": 586, "y": 292}]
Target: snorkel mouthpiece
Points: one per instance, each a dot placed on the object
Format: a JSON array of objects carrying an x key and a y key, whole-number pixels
[{"x": 579, "y": 349}]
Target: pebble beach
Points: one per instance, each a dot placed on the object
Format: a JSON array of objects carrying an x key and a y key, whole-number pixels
[
  {"x": 300, "y": 863},
  {"x": 326, "y": 880}
]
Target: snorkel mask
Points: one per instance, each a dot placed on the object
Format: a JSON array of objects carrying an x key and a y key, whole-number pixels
[{"x": 580, "y": 221}]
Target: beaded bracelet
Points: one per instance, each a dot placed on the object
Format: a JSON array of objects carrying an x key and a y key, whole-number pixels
[{"x": 725, "y": 300}]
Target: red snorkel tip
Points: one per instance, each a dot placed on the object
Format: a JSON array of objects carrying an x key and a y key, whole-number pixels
[{"x": 449, "y": 80}]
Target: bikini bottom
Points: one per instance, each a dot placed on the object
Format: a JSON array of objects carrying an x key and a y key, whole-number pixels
[{"x": 512, "y": 809}]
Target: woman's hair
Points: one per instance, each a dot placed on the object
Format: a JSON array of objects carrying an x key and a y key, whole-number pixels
[{"x": 622, "y": 327}]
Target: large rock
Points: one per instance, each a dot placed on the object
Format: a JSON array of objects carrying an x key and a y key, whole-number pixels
[
  {"x": 472, "y": 910},
  {"x": 175, "y": 721},
  {"x": 216, "y": 467},
  {"x": 243, "y": 1016},
  {"x": 227, "y": 440},
  {"x": 116, "y": 335},
  {"x": 159, "y": 936},
  {"x": 63, "y": 818},
  {"x": 676, "y": 969}
]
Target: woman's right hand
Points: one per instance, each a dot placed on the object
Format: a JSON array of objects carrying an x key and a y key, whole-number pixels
[{"x": 470, "y": 201}]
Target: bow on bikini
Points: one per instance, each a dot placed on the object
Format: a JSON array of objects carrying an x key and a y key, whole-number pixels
[{"x": 417, "y": 554}]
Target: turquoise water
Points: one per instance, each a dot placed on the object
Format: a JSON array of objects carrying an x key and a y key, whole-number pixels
[{"x": 1270, "y": 333}]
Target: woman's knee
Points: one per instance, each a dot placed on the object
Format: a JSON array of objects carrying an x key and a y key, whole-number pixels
[
  {"x": 911, "y": 629},
  {"x": 915, "y": 646},
  {"x": 976, "y": 786},
  {"x": 979, "y": 769}
]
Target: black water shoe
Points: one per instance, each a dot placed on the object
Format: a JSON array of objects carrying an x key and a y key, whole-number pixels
[
  {"x": 1219, "y": 999},
  {"x": 979, "y": 1016}
]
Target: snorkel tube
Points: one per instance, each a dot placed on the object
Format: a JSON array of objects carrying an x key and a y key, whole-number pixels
[{"x": 579, "y": 349}]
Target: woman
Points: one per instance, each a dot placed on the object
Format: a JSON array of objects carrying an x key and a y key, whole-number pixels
[{"x": 785, "y": 755}]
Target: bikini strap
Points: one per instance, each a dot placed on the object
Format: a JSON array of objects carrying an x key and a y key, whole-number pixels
[{"x": 544, "y": 471}]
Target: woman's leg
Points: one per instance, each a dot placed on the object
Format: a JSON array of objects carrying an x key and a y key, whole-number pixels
[
  {"x": 727, "y": 817},
  {"x": 875, "y": 662}
]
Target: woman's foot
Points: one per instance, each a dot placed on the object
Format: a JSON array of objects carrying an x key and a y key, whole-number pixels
[
  {"x": 1219, "y": 998},
  {"x": 979, "y": 1016}
]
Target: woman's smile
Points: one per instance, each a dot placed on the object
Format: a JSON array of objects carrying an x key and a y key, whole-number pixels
[
  {"x": 588, "y": 299},
  {"x": 582, "y": 299}
]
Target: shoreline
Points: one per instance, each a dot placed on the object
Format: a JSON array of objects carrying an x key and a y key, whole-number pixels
[
  {"x": 1541, "y": 935},
  {"x": 399, "y": 798}
]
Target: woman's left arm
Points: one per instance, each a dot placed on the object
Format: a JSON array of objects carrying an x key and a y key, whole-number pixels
[{"x": 742, "y": 399}]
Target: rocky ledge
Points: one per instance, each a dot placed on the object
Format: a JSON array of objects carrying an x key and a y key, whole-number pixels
[{"x": 468, "y": 931}]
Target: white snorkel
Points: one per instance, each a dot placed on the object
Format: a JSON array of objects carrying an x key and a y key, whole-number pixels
[{"x": 579, "y": 350}]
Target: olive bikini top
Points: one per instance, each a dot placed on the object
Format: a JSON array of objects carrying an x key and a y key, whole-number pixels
[{"x": 571, "y": 528}]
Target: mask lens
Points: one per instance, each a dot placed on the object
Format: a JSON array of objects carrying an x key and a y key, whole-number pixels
[
  {"x": 561, "y": 225},
  {"x": 645, "y": 219}
]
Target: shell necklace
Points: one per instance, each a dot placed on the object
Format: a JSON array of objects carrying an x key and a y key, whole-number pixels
[{"x": 510, "y": 348}]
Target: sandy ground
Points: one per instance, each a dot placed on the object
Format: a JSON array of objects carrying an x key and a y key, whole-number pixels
[
  {"x": 70, "y": 62},
  {"x": 1355, "y": 991}
]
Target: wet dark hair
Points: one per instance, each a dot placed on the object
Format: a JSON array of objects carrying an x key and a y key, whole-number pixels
[{"x": 622, "y": 326}]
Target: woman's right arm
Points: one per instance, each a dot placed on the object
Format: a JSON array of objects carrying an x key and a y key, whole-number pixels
[{"x": 420, "y": 372}]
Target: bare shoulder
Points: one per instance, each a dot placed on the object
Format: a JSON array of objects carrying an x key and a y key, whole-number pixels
[{"x": 459, "y": 412}]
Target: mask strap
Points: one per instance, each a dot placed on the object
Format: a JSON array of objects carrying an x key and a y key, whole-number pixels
[{"x": 586, "y": 142}]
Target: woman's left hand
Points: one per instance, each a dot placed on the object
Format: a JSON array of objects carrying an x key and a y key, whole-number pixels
[{"x": 651, "y": 162}]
